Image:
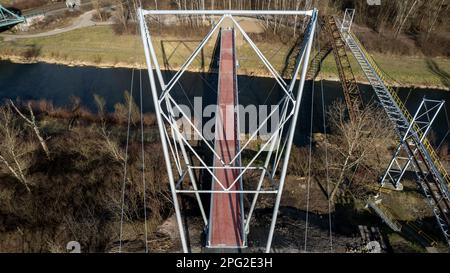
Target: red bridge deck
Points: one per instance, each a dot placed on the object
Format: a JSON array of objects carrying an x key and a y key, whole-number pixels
[{"x": 226, "y": 219}]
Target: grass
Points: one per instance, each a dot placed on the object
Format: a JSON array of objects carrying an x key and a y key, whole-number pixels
[
  {"x": 100, "y": 46},
  {"x": 83, "y": 45},
  {"x": 406, "y": 70},
  {"x": 401, "y": 245}
]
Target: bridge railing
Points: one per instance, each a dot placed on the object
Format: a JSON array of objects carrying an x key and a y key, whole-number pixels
[{"x": 405, "y": 112}]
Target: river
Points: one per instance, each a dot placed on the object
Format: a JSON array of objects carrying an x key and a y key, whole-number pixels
[{"x": 57, "y": 83}]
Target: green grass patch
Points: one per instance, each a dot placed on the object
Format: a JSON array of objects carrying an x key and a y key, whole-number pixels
[{"x": 100, "y": 45}]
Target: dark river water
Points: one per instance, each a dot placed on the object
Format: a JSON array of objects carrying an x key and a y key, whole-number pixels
[{"x": 57, "y": 83}]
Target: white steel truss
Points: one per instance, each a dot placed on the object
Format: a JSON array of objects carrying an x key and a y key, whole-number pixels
[
  {"x": 412, "y": 159},
  {"x": 401, "y": 162},
  {"x": 8, "y": 18},
  {"x": 431, "y": 175},
  {"x": 178, "y": 150}
]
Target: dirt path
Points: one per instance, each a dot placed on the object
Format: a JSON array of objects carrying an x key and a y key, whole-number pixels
[{"x": 85, "y": 20}]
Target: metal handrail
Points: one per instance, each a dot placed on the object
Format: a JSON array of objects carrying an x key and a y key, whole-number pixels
[{"x": 405, "y": 112}]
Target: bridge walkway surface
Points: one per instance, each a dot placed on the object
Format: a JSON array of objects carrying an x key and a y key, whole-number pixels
[{"x": 226, "y": 212}]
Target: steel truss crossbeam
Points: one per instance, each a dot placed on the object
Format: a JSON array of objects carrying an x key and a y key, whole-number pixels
[
  {"x": 431, "y": 175},
  {"x": 228, "y": 12},
  {"x": 8, "y": 18},
  {"x": 174, "y": 142},
  {"x": 400, "y": 163},
  {"x": 436, "y": 193}
]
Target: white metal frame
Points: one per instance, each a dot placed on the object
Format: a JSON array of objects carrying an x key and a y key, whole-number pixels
[
  {"x": 348, "y": 20},
  {"x": 175, "y": 142},
  {"x": 9, "y": 18},
  {"x": 423, "y": 118}
]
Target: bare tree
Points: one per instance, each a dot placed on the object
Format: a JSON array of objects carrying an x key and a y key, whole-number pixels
[
  {"x": 33, "y": 124},
  {"x": 433, "y": 13},
  {"x": 109, "y": 144},
  {"x": 14, "y": 150},
  {"x": 121, "y": 109},
  {"x": 407, "y": 7},
  {"x": 354, "y": 143},
  {"x": 97, "y": 5},
  {"x": 122, "y": 13}
]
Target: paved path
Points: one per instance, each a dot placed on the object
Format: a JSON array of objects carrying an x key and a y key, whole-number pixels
[{"x": 85, "y": 20}]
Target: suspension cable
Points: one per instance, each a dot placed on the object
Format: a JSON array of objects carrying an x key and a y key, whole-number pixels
[
  {"x": 143, "y": 161},
  {"x": 125, "y": 171},
  {"x": 326, "y": 157},
  {"x": 126, "y": 163},
  {"x": 309, "y": 165},
  {"x": 309, "y": 158},
  {"x": 407, "y": 96}
]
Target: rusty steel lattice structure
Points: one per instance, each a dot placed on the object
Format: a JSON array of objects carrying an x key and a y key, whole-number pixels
[
  {"x": 350, "y": 88},
  {"x": 182, "y": 160}
]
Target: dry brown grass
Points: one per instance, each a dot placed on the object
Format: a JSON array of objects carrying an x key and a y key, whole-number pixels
[{"x": 76, "y": 193}]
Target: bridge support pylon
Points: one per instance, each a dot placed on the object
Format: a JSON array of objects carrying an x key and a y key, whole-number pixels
[{"x": 229, "y": 220}]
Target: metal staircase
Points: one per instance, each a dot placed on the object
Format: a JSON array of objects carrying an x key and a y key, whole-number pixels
[
  {"x": 431, "y": 175},
  {"x": 422, "y": 120}
]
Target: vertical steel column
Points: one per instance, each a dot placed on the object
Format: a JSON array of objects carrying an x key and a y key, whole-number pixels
[
  {"x": 175, "y": 135},
  {"x": 394, "y": 158},
  {"x": 292, "y": 131},
  {"x": 348, "y": 20},
  {"x": 161, "y": 130},
  {"x": 430, "y": 122},
  {"x": 151, "y": 60},
  {"x": 408, "y": 134}
]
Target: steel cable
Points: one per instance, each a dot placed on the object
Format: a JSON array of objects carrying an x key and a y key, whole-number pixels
[
  {"x": 326, "y": 156},
  {"x": 126, "y": 148}
]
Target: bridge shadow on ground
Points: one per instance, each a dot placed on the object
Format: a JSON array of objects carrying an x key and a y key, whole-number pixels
[
  {"x": 293, "y": 231},
  {"x": 291, "y": 59},
  {"x": 436, "y": 70}
]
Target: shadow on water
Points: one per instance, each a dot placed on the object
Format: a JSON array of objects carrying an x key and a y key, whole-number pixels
[{"x": 57, "y": 83}]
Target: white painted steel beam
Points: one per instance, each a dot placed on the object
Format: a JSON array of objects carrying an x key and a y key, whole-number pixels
[
  {"x": 230, "y": 12},
  {"x": 179, "y": 141}
]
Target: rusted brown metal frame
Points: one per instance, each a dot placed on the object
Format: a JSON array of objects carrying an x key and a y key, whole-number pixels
[{"x": 350, "y": 88}]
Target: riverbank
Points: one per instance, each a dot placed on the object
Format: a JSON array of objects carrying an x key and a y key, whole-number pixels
[
  {"x": 328, "y": 76},
  {"x": 98, "y": 46}
]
